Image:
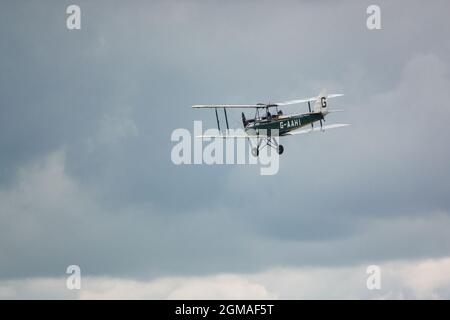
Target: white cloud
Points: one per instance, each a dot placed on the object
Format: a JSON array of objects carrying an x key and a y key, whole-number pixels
[
  {"x": 35, "y": 288},
  {"x": 209, "y": 287},
  {"x": 424, "y": 279}
]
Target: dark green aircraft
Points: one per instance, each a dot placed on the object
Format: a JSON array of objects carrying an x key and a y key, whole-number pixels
[{"x": 266, "y": 125}]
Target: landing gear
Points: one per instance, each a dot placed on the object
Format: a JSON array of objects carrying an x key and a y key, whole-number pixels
[
  {"x": 269, "y": 142},
  {"x": 280, "y": 149}
]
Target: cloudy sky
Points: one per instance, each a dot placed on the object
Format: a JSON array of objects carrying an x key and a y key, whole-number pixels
[{"x": 86, "y": 176}]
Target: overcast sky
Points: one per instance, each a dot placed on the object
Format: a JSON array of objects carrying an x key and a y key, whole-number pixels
[{"x": 86, "y": 176}]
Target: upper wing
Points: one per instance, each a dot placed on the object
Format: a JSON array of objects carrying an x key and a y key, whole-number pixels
[
  {"x": 289, "y": 102},
  {"x": 316, "y": 129},
  {"x": 238, "y": 106},
  {"x": 261, "y": 105}
]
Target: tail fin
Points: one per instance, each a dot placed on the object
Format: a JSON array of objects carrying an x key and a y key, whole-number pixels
[{"x": 321, "y": 103}]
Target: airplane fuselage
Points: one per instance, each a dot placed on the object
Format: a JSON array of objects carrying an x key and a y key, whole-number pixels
[{"x": 284, "y": 124}]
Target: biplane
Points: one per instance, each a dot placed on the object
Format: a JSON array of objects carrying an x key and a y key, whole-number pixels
[{"x": 269, "y": 120}]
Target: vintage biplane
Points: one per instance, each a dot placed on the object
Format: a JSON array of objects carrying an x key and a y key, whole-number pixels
[{"x": 265, "y": 125}]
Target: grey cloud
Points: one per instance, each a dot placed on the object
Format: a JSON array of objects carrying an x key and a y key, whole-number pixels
[{"x": 107, "y": 98}]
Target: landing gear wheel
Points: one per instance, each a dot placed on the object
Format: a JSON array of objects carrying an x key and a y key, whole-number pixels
[
  {"x": 280, "y": 149},
  {"x": 255, "y": 152}
]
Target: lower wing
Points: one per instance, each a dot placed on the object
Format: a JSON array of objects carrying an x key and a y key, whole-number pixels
[
  {"x": 225, "y": 136},
  {"x": 316, "y": 129},
  {"x": 290, "y": 133}
]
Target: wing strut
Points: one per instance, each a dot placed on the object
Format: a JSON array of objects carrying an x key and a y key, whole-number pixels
[
  {"x": 217, "y": 118},
  {"x": 226, "y": 118}
]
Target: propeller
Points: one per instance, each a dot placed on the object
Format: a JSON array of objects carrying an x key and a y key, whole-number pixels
[{"x": 244, "y": 121}]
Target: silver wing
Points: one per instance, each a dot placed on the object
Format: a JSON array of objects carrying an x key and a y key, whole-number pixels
[
  {"x": 262, "y": 105},
  {"x": 237, "y": 106},
  {"x": 297, "y": 101},
  {"x": 316, "y": 129}
]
